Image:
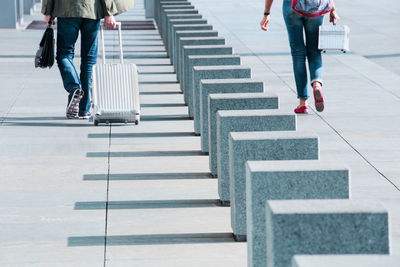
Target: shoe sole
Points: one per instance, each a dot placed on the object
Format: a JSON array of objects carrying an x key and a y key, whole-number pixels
[
  {"x": 319, "y": 101},
  {"x": 73, "y": 107}
]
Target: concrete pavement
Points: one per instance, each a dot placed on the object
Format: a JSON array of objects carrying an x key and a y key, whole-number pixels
[{"x": 162, "y": 207}]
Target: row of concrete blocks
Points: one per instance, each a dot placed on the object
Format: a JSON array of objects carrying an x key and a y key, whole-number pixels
[
  {"x": 267, "y": 172},
  {"x": 13, "y": 12}
]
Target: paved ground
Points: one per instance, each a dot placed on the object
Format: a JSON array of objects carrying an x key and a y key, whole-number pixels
[{"x": 161, "y": 203}]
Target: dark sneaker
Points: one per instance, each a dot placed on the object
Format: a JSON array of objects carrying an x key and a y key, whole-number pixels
[
  {"x": 74, "y": 98},
  {"x": 84, "y": 115}
]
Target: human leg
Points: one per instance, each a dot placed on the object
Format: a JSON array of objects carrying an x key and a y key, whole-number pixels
[
  {"x": 314, "y": 58},
  {"x": 89, "y": 45},
  {"x": 67, "y": 34},
  {"x": 294, "y": 25}
]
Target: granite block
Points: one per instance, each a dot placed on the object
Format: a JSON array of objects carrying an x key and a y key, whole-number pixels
[
  {"x": 170, "y": 17},
  {"x": 235, "y": 101},
  {"x": 208, "y": 87},
  {"x": 210, "y": 72},
  {"x": 303, "y": 179},
  {"x": 176, "y": 44},
  {"x": 245, "y": 146},
  {"x": 244, "y": 121},
  {"x": 173, "y": 22},
  {"x": 357, "y": 260},
  {"x": 196, "y": 41},
  {"x": 217, "y": 60},
  {"x": 164, "y": 12},
  {"x": 159, "y": 3},
  {"x": 201, "y": 50},
  {"x": 295, "y": 227}
]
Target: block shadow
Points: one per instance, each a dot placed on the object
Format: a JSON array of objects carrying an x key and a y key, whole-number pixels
[
  {"x": 142, "y": 135},
  {"x": 147, "y": 204},
  {"x": 147, "y": 176},
  {"x": 155, "y": 239},
  {"x": 134, "y": 154}
]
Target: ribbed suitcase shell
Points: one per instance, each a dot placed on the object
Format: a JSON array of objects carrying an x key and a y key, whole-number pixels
[
  {"x": 115, "y": 89},
  {"x": 116, "y": 93},
  {"x": 334, "y": 37}
]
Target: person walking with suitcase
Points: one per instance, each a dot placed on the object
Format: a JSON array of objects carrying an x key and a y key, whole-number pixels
[
  {"x": 74, "y": 16},
  {"x": 307, "y": 16}
]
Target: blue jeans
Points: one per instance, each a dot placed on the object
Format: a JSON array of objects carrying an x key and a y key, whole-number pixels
[
  {"x": 67, "y": 33},
  {"x": 301, "y": 50}
]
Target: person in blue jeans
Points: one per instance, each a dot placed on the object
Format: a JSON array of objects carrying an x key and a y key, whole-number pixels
[
  {"x": 74, "y": 17},
  {"x": 298, "y": 27}
]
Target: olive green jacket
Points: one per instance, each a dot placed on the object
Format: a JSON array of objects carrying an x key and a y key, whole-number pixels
[{"x": 91, "y": 9}]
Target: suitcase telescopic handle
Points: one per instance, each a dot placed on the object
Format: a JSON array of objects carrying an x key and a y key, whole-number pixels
[{"x": 103, "y": 51}]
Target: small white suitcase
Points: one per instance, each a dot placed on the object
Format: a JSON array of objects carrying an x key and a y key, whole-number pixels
[
  {"x": 334, "y": 37},
  {"x": 115, "y": 89}
]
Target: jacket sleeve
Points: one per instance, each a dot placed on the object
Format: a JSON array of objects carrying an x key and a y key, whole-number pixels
[
  {"x": 47, "y": 7},
  {"x": 115, "y": 7}
]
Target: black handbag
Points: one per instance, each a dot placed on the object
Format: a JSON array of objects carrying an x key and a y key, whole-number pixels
[{"x": 45, "y": 55}]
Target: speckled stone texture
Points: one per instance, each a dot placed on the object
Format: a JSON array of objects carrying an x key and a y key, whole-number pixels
[
  {"x": 217, "y": 60},
  {"x": 245, "y": 121},
  {"x": 295, "y": 227},
  {"x": 345, "y": 261},
  {"x": 196, "y": 41},
  {"x": 173, "y": 22},
  {"x": 303, "y": 179},
  {"x": 165, "y": 11},
  {"x": 213, "y": 72},
  {"x": 201, "y": 50},
  {"x": 222, "y": 86},
  {"x": 235, "y": 101},
  {"x": 245, "y": 146},
  {"x": 163, "y": 18},
  {"x": 177, "y": 48},
  {"x": 163, "y": 28},
  {"x": 158, "y": 4}
]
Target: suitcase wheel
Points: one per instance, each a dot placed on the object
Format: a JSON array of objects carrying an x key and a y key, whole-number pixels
[{"x": 96, "y": 122}]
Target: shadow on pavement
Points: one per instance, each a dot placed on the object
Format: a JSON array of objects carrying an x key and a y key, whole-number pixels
[
  {"x": 147, "y": 176},
  {"x": 156, "y": 239},
  {"x": 133, "y": 154},
  {"x": 147, "y": 204},
  {"x": 138, "y": 135}
]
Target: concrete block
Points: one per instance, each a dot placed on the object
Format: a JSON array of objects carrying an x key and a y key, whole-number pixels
[
  {"x": 164, "y": 13},
  {"x": 235, "y": 101},
  {"x": 345, "y": 261},
  {"x": 295, "y": 227},
  {"x": 246, "y": 146},
  {"x": 201, "y": 50},
  {"x": 182, "y": 34},
  {"x": 210, "y": 72},
  {"x": 173, "y": 22},
  {"x": 212, "y": 86},
  {"x": 197, "y": 41},
  {"x": 244, "y": 121},
  {"x": 159, "y": 3},
  {"x": 303, "y": 179},
  {"x": 217, "y": 60}
]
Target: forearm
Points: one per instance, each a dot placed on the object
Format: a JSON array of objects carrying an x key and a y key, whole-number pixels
[
  {"x": 268, "y": 4},
  {"x": 47, "y": 7}
]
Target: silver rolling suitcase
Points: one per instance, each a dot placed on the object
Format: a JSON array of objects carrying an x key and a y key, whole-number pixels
[
  {"x": 334, "y": 37},
  {"x": 115, "y": 89}
]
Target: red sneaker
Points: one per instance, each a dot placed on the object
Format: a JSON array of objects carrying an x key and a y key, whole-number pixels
[
  {"x": 301, "y": 110},
  {"x": 318, "y": 98}
]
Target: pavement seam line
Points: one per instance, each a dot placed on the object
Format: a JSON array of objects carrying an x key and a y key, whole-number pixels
[
  {"x": 107, "y": 196},
  {"x": 325, "y": 121}
]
